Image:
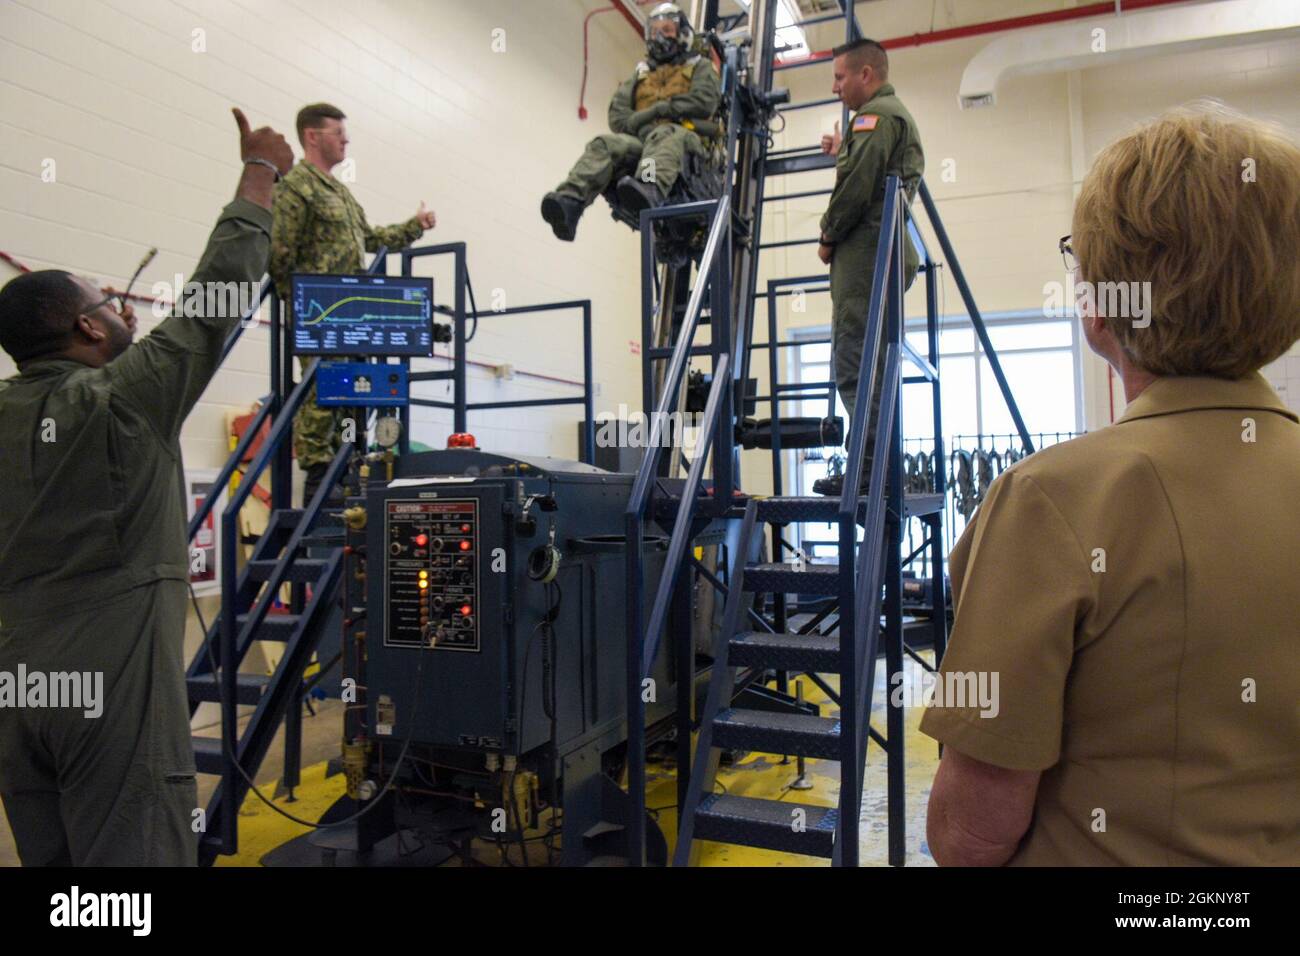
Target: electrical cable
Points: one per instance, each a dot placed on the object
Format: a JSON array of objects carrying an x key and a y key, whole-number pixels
[{"x": 252, "y": 786}]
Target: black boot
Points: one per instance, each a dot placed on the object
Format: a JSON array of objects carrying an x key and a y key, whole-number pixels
[
  {"x": 562, "y": 212},
  {"x": 634, "y": 195},
  {"x": 833, "y": 485}
]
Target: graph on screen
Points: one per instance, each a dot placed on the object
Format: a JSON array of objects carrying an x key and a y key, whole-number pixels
[{"x": 362, "y": 315}]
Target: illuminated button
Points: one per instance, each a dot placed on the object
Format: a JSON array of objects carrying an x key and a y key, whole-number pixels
[
  {"x": 465, "y": 528},
  {"x": 424, "y": 574},
  {"x": 464, "y": 545},
  {"x": 423, "y": 584},
  {"x": 422, "y": 539},
  {"x": 466, "y": 609}
]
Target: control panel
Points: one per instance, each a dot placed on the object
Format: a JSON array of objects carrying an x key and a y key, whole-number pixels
[
  {"x": 361, "y": 383},
  {"x": 431, "y": 576}
]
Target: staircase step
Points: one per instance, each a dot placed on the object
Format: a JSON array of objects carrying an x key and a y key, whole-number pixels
[
  {"x": 784, "y": 579},
  {"x": 248, "y": 687},
  {"x": 788, "y": 509},
  {"x": 802, "y": 735},
  {"x": 815, "y": 653},
  {"x": 301, "y": 569},
  {"x": 767, "y": 824},
  {"x": 275, "y": 627},
  {"x": 207, "y": 754}
]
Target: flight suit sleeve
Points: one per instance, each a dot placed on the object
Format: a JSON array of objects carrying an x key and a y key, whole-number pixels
[
  {"x": 164, "y": 374},
  {"x": 620, "y": 107},
  {"x": 397, "y": 236},
  {"x": 289, "y": 214},
  {"x": 865, "y": 169},
  {"x": 1022, "y": 583},
  {"x": 702, "y": 100}
]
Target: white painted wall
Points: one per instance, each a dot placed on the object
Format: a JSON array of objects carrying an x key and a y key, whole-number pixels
[{"x": 138, "y": 125}]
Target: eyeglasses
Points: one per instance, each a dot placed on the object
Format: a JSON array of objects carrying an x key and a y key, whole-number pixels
[
  {"x": 1067, "y": 254},
  {"x": 117, "y": 301}
]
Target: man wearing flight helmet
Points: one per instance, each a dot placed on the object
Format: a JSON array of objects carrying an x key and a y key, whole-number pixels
[{"x": 655, "y": 119}]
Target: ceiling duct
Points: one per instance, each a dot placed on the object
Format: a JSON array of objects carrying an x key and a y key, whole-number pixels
[{"x": 1080, "y": 44}]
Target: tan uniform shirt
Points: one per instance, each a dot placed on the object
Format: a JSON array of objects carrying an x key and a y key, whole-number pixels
[{"x": 1137, "y": 592}]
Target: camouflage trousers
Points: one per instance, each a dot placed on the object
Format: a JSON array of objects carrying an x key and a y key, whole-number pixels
[
  {"x": 613, "y": 155},
  {"x": 317, "y": 431}
]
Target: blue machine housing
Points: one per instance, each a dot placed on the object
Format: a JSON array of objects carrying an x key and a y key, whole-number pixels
[{"x": 477, "y": 696}]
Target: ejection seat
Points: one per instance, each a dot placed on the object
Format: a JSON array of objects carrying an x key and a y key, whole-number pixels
[{"x": 701, "y": 178}]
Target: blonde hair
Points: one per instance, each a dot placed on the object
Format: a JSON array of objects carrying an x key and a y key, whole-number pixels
[{"x": 1204, "y": 204}]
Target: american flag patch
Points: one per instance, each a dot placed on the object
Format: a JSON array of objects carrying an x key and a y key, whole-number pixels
[{"x": 865, "y": 123}]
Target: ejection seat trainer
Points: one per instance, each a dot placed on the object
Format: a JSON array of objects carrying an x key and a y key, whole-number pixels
[{"x": 665, "y": 136}]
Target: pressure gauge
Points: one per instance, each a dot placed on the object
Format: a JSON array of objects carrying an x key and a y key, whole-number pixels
[{"x": 387, "y": 431}]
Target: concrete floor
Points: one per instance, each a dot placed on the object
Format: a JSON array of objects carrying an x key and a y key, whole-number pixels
[{"x": 757, "y": 775}]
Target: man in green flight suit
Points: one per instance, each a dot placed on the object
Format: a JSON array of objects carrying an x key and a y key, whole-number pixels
[
  {"x": 665, "y": 111},
  {"x": 321, "y": 228},
  {"x": 882, "y": 139},
  {"x": 93, "y": 568}
]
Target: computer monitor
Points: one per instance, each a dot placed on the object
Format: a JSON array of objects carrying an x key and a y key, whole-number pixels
[{"x": 362, "y": 315}]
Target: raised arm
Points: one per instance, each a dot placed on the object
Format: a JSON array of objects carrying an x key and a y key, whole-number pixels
[
  {"x": 164, "y": 374},
  {"x": 868, "y": 159},
  {"x": 397, "y": 236}
]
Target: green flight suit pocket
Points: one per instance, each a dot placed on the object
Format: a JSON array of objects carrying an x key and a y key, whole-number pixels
[{"x": 70, "y": 527}]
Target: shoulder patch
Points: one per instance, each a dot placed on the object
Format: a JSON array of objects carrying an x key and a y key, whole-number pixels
[{"x": 865, "y": 123}]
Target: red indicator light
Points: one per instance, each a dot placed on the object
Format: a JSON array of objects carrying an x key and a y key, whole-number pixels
[
  {"x": 422, "y": 539},
  {"x": 465, "y": 609},
  {"x": 464, "y": 545},
  {"x": 465, "y": 528},
  {"x": 461, "y": 440}
]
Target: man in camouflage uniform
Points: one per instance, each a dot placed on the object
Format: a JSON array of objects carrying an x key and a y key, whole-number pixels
[
  {"x": 882, "y": 139},
  {"x": 320, "y": 228},
  {"x": 664, "y": 112}
]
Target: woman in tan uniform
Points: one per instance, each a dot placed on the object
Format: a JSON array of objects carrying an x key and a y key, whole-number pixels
[{"x": 1135, "y": 590}]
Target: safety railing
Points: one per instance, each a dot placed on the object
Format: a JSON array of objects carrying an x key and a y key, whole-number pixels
[
  {"x": 643, "y": 638},
  {"x": 460, "y": 406}
]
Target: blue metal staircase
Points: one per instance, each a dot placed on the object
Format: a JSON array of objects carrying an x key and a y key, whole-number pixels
[
  {"x": 862, "y": 609},
  {"x": 301, "y": 548}
]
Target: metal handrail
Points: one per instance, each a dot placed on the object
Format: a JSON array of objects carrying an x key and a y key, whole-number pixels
[
  {"x": 677, "y": 364},
  {"x": 640, "y": 655},
  {"x": 685, "y": 515},
  {"x": 232, "y": 463},
  {"x": 867, "y": 375}
]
